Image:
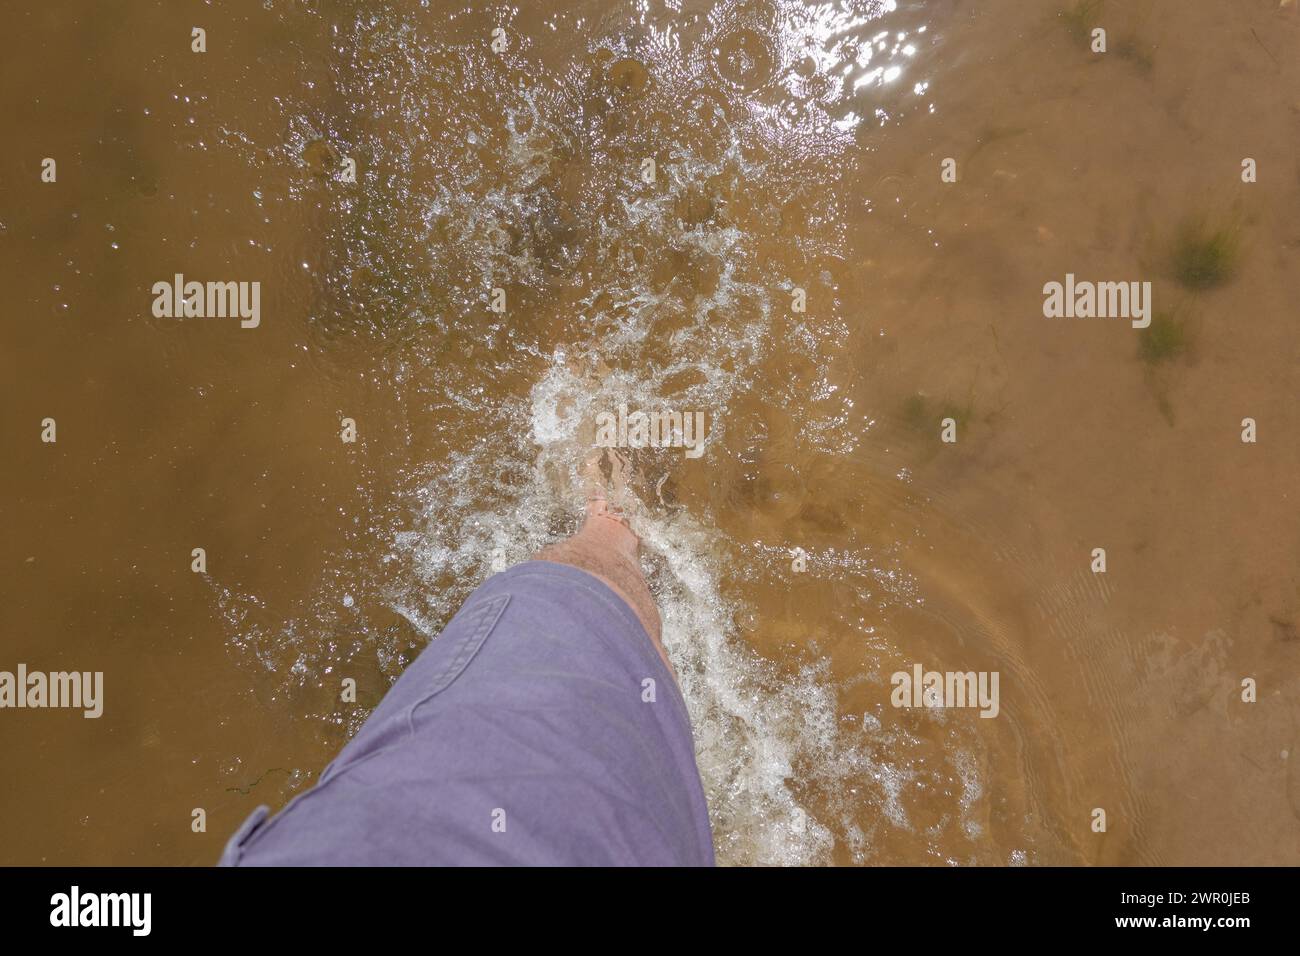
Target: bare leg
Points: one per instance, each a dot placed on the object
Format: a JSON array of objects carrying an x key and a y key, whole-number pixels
[{"x": 607, "y": 547}]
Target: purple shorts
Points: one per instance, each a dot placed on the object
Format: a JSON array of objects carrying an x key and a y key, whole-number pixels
[{"x": 540, "y": 728}]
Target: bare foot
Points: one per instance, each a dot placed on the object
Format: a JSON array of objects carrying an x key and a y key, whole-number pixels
[{"x": 607, "y": 547}]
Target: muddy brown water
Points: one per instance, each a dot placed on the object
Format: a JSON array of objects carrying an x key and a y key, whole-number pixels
[{"x": 797, "y": 146}]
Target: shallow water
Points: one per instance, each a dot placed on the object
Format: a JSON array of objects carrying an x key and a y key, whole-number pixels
[{"x": 796, "y": 146}]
